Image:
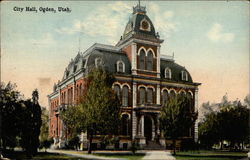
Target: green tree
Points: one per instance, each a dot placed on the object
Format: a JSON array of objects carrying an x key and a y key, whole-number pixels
[
  {"x": 176, "y": 117},
  {"x": 209, "y": 131},
  {"x": 10, "y": 111},
  {"x": 74, "y": 118},
  {"x": 44, "y": 139},
  {"x": 230, "y": 123},
  {"x": 99, "y": 111},
  {"x": 31, "y": 123}
]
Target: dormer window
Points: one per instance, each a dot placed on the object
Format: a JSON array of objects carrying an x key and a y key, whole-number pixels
[
  {"x": 168, "y": 73},
  {"x": 120, "y": 66},
  {"x": 98, "y": 62},
  {"x": 184, "y": 76}
]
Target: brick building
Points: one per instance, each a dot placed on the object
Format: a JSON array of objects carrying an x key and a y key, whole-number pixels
[{"x": 144, "y": 80}]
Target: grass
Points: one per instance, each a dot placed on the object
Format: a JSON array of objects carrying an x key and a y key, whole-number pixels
[
  {"x": 40, "y": 156},
  {"x": 128, "y": 156},
  {"x": 211, "y": 155}
]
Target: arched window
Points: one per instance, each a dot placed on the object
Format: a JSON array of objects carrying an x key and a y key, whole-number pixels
[
  {"x": 125, "y": 125},
  {"x": 168, "y": 73},
  {"x": 172, "y": 93},
  {"x": 120, "y": 66},
  {"x": 150, "y": 95},
  {"x": 142, "y": 60},
  {"x": 98, "y": 62},
  {"x": 117, "y": 91},
  {"x": 142, "y": 95},
  {"x": 150, "y": 61},
  {"x": 182, "y": 93},
  {"x": 184, "y": 76},
  {"x": 164, "y": 97},
  {"x": 125, "y": 96}
]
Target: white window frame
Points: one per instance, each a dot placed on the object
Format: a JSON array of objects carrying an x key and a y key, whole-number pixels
[
  {"x": 184, "y": 76},
  {"x": 117, "y": 66},
  {"x": 96, "y": 60},
  {"x": 170, "y": 73}
]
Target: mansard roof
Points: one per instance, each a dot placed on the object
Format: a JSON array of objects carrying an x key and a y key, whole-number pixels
[
  {"x": 175, "y": 68},
  {"x": 109, "y": 60},
  {"x": 109, "y": 55}
]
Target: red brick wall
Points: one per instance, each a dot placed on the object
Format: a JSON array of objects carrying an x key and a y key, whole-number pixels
[
  {"x": 54, "y": 103},
  {"x": 128, "y": 51}
]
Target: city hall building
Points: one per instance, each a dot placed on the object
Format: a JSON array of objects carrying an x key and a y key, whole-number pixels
[{"x": 145, "y": 79}]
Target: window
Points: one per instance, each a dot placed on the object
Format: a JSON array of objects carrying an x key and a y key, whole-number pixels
[
  {"x": 120, "y": 66},
  {"x": 184, "y": 76},
  {"x": 125, "y": 125},
  {"x": 142, "y": 60},
  {"x": 190, "y": 100},
  {"x": 142, "y": 95},
  {"x": 164, "y": 97},
  {"x": 98, "y": 62},
  {"x": 172, "y": 93},
  {"x": 125, "y": 96},
  {"x": 117, "y": 91},
  {"x": 182, "y": 93},
  {"x": 150, "y": 61},
  {"x": 150, "y": 95},
  {"x": 168, "y": 73}
]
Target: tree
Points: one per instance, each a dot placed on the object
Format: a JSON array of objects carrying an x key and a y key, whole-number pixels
[
  {"x": 208, "y": 130},
  {"x": 44, "y": 139},
  {"x": 10, "y": 111},
  {"x": 99, "y": 111},
  {"x": 176, "y": 117},
  {"x": 31, "y": 123},
  {"x": 230, "y": 123},
  {"x": 74, "y": 118}
]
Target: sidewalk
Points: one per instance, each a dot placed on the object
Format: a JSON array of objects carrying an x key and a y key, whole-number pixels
[
  {"x": 81, "y": 154},
  {"x": 158, "y": 155}
]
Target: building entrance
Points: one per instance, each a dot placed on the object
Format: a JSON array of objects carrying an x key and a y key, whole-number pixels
[{"x": 148, "y": 128}]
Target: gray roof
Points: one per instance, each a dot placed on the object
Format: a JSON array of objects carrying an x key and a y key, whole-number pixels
[
  {"x": 110, "y": 56},
  {"x": 134, "y": 25},
  {"x": 175, "y": 70},
  {"x": 109, "y": 59},
  {"x": 74, "y": 66}
]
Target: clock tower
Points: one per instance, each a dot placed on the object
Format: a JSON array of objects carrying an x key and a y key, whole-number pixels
[{"x": 141, "y": 44}]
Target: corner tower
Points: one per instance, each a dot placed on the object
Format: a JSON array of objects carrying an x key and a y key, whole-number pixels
[{"x": 141, "y": 44}]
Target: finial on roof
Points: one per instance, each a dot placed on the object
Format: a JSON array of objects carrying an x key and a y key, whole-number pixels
[{"x": 139, "y": 9}]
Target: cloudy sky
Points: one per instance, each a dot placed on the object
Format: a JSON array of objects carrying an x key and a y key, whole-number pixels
[{"x": 211, "y": 39}]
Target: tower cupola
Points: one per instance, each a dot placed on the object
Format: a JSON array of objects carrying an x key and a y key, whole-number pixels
[{"x": 139, "y": 26}]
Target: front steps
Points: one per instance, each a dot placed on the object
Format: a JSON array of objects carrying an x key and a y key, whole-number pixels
[{"x": 152, "y": 145}]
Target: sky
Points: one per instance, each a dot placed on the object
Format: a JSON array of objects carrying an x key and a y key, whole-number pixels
[{"x": 209, "y": 38}]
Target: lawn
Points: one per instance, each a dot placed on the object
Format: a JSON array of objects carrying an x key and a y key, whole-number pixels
[
  {"x": 211, "y": 155},
  {"x": 129, "y": 156},
  {"x": 40, "y": 156}
]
